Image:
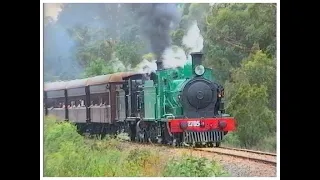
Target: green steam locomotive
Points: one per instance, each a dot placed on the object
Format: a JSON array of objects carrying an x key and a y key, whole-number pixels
[{"x": 176, "y": 106}]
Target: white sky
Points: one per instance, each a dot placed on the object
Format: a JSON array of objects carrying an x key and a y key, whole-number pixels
[{"x": 52, "y": 9}]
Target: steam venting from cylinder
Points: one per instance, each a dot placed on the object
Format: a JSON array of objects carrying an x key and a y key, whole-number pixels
[{"x": 156, "y": 20}]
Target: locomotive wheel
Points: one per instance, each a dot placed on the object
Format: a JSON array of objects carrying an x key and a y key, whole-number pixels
[
  {"x": 132, "y": 132},
  {"x": 218, "y": 144},
  {"x": 140, "y": 133},
  {"x": 177, "y": 139},
  {"x": 132, "y": 137},
  {"x": 174, "y": 142},
  {"x": 198, "y": 145}
]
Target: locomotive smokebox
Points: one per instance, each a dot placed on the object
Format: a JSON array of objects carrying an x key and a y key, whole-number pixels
[{"x": 196, "y": 61}]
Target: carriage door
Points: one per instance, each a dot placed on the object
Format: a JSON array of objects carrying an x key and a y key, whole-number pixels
[{"x": 121, "y": 106}]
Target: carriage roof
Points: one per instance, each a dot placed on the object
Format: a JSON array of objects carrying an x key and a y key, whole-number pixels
[{"x": 96, "y": 80}]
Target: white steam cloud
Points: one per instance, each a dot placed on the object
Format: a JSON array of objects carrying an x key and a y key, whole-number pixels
[
  {"x": 147, "y": 66},
  {"x": 174, "y": 57},
  {"x": 193, "y": 39}
]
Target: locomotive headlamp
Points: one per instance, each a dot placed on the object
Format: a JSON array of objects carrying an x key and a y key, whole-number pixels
[{"x": 199, "y": 70}]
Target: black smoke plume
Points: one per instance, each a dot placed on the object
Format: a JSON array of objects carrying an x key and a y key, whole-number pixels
[{"x": 156, "y": 20}]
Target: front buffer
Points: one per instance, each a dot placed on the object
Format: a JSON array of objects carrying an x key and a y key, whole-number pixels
[{"x": 201, "y": 131}]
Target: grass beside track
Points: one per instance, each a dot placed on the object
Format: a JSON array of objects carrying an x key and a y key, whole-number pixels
[{"x": 67, "y": 154}]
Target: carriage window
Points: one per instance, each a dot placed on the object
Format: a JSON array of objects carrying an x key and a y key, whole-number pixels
[
  {"x": 55, "y": 99},
  {"x": 55, "y": 102},
  {"x": 99, "y": 99},
  {"x": 76, "y": 101}
]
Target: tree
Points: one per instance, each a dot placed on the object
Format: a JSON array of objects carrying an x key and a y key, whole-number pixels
[
  {"x": 107, "y": 30},
  {"x": 232, "y": 30},
  {"x": 98, "y": 67},
  {"x": 58, "y": 59},
  {"x": 129, "y": 53},
  {"x": 91, "y": 44},
  {"x": 255, "y": 120},
  {"x": 190, "y": 13},
  {"x": 251, "y": 98},
  {"x": 149, "y": 56}
]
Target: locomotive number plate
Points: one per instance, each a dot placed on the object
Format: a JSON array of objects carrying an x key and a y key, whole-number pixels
[{"x": 194, "y": 123}]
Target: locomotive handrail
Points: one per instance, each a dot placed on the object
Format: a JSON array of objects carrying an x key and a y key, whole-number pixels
[
  {"x": 170, "y": 103},
  {"x": 167, "y": 124}
]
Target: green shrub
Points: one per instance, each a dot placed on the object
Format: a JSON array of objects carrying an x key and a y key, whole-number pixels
[
  {"x": 193, "y": 167},
  {"x": 268, "y": 143},
  {"x": 232, "y": 139},
  {"x": 68, "y": 154}
]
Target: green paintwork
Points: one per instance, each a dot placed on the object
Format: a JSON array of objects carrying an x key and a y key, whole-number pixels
[
  {"x": 149, "y": 100},
  {"x": 164, "y": 94}
]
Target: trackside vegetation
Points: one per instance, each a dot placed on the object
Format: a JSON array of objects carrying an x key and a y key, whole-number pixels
[{"x": 68, "y": 154}]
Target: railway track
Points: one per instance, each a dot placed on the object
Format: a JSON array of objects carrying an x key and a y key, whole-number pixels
[
  {"x": 260, "y": 156},
  {"x": 249, "y": 150}
]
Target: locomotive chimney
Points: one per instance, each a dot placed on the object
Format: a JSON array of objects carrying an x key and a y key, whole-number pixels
[
  {"x": 196, "y": 60},
  {"x": 159, "y": 63}
]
